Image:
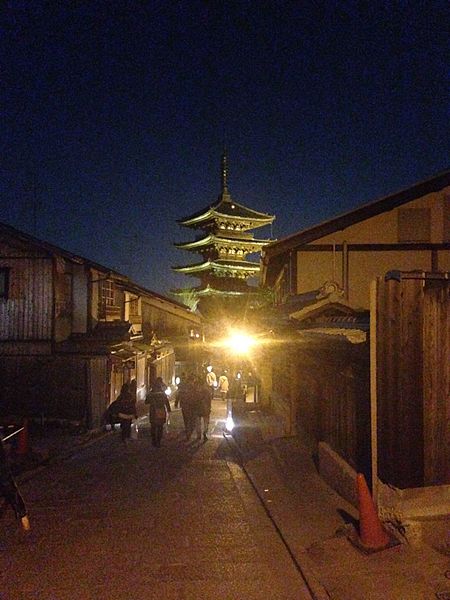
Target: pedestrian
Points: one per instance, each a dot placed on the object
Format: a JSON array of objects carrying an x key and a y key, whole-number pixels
[
  {"x": 126, "y": 410},
  {"x": 203, "y": 398},
  {"x": 181, "y": 383},
  {"x": 159, "y": 407},
  {"x": 223, "y": 385},
  {"x": 186, "y": 399},
  {"x": 10, "y": 491},
  {"x": 211, "y": 380}
]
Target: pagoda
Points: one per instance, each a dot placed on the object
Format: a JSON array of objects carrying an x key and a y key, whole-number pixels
[{"x": 224, "y": 242}]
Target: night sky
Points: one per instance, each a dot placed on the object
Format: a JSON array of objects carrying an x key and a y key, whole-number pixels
[{"x": 114, "y": 115}]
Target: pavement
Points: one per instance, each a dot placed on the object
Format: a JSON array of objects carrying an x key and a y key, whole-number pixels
[
  {"x": 313, "y": 522},
  {"x": 316, "y": 524}
]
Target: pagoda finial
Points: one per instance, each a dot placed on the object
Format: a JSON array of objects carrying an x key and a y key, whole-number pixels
[{"x": 224, "y": 173}]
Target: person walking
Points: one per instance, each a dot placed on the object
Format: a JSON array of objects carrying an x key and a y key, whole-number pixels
[
  {"x": 211, "y": 380},
  {"x": 126, "y": 411},
  {"x": 10, "y": 491},
  {"x": 186, "y": 400},
  {"x": 223, "y": 385},
  {"x": 203, "y": 398},
  {"x": 181, "y": 383},
  {"x": 159, "y": 407}
]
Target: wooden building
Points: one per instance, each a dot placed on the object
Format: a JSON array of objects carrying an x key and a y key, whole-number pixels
[
  {"x": 225, "y": 242},
  {"x": 73, "y": 331},
  {"x": 321, "y": 279}
]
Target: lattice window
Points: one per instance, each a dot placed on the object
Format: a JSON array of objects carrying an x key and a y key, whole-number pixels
[{"x": 107, "y": 293}]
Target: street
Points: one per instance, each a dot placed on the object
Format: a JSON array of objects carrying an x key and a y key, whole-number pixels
[{"x": 177, "y": 522}]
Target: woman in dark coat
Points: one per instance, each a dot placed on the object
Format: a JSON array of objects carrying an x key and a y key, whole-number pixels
[
  {"x": 126, "y": 411},
  {"x": 202, "y": 410},
  {"x": 158, "y": 409},
  {"x": 10, "y": 492},
  {"x": 186, "y": 399}
]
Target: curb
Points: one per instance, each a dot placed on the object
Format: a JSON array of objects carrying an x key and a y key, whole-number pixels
[{"x": 302, "y": 563}]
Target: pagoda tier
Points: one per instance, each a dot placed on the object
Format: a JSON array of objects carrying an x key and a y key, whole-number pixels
[
  {"x": 241, "y": 269},
  {"x": 210, "y": 291},
  {"x": 227, "y": 215},
  {"x": 224, "y": 245}
]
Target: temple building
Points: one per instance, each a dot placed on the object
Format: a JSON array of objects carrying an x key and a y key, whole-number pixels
[{"x": 224, "y": 242}]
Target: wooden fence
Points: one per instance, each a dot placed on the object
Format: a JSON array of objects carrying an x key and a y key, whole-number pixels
[{"x": 413, "y": 379}]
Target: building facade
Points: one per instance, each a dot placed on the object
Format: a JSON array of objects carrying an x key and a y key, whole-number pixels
[
  {"x": 72, "y": 332},
  {"x": 322, "y": 280}
]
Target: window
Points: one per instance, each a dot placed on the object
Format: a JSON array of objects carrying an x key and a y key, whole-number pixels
[
  {"x": 134, "y": 307},
  {"x": 4, "y": 283},
  {"x": 414, "y": 225},
  {"x": 107, "y": 293}
]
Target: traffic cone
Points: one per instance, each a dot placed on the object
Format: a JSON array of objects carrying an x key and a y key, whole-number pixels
[
  {"x": 372, "y": 535},
  {"x": 22, "y": 441}
]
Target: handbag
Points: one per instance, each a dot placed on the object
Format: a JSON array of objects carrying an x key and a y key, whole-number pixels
[
  {"x": 134, "y": 430},
  {"x": 160, "y": 414}
]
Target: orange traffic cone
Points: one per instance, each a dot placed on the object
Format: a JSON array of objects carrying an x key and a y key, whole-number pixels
[
  {"x": 372, "y": 536},
  {"x": 22, "y": 439}
]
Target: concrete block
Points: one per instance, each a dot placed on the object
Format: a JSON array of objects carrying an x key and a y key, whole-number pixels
[{"x": 337, "y": 473}]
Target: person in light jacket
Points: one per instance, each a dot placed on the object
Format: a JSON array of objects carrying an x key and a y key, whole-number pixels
[
  {"x": 223, "y": 385},
  {"x": 10, "y": 492},
  {"x": 159, "y": 407}
]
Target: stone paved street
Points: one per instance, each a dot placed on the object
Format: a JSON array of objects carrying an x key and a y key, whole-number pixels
[{"x": 177, "y": 522}]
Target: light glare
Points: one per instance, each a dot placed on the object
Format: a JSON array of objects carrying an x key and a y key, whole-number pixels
[
  {"x": 240, "y": 342},
  {"x": 229, "y": 424}
]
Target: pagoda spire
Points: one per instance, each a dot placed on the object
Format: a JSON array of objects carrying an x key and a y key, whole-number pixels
[{"x": 224, "y": 173}]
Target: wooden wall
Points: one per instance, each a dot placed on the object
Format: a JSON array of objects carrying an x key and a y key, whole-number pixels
[
  {"x": 323, "y": 388},
  {"x": 56, "y": 387},
  {"x": 413, "y": 380},
  {"x": 27, "y": 313}
]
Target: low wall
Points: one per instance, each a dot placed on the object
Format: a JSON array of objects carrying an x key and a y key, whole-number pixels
[{"x": 337, "y": 473}]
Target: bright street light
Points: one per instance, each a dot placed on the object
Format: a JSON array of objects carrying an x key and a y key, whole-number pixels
[{"x": 240, "y": 342}]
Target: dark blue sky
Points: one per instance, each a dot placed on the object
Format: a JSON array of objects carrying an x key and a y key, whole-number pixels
[{"x": 114, "y": 115}]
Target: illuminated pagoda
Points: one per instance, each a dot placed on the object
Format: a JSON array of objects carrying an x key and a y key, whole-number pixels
[{"x": 224, "y": 243}]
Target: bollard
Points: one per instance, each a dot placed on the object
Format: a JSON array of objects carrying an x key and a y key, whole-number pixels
[{"x": 22, "y": 441}]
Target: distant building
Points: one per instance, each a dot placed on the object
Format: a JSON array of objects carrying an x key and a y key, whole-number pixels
[{"x": 224, "y": 244}]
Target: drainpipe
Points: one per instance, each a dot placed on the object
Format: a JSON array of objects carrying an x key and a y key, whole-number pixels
[
  {"x": 373, "y": 388},
  {"x": 345, "y": 269}
]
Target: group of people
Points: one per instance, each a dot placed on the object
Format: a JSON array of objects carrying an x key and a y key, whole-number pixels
[
  {"x": 194, "y": 396},
  {"x": 123, "y": 410},
  {"x": 222, "y": 385}
]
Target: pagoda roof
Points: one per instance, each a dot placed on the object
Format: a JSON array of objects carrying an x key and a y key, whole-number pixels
[
  {"x": 228, "y": 209},
  {"x": 219, "y": 265},
  {"x": 211, "y": 291},
  {"x": 213, "y": 239}
]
